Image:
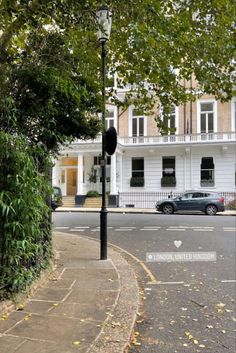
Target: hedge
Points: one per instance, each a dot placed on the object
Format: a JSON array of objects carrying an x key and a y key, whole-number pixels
[{"x": 25, "y": 229}]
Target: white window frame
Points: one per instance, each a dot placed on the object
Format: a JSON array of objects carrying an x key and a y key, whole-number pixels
[
  {"x": 199, "y": 102},
  {"x": 112, "y": 108},
  {"x": 233, "y": 114},
  {"x": 131, "y": 116},
  {"x": 176, "y": 119}
]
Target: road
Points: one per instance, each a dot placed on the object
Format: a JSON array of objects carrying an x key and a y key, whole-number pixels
[{"x": 185, "y": 306}]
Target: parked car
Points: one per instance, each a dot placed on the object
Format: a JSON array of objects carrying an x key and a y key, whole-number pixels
[
  {"x": 204, "y": 201},
  {"x": 56, "y": 200}
]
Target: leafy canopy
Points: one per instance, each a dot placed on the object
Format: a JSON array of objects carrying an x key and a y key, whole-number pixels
[{"x": 50, "y": 87}]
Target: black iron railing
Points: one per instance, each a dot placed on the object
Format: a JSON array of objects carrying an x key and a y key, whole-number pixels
[{"x": 149, "y": 199}]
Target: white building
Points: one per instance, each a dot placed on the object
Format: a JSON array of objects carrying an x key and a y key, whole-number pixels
[{"x": 200, "y": 154}]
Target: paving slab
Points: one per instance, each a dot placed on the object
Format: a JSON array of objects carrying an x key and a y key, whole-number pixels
[{"x": 87, "y": 305}]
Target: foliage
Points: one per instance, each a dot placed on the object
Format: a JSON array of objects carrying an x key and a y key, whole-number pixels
[
  {"x": 25, "y": 235},
  {"x": 50, "y": 61},
  {"x": 231, "y": 205},
  {"x": 92, "y": 193},
  {"x": 137, "y": 181},
  {"x": 168, "y": 181},
  {"x": 92, "y": 175}
]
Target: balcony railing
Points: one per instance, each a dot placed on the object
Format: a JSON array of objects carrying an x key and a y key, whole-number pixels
[
  {"x": 179, "y": 139},
  {"x": 169, "y": 139}
]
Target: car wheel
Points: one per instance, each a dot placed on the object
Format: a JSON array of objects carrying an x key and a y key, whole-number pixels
[
  {"x": 168, "y": 209},
  {"x": 211, "y": 210}
]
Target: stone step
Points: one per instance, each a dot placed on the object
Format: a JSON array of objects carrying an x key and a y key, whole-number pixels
[
  {"x": 93, "y": 202},
  {"x": 68, "y": 201}
]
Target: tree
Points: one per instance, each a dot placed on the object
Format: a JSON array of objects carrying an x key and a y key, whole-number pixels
[{"x": 50, "y": 60}]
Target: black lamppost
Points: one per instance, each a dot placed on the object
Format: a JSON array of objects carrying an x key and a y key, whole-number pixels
[{"x": 104, "y": 29}]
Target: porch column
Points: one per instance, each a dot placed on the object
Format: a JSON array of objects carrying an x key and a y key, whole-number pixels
[
  {"x": 113, "y": 183},
  {"x": 113, "y": 190},
  {"x": 80, "y": 197},
  {"x": 80, "y": 170}
]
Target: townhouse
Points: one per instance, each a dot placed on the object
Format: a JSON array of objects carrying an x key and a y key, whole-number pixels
[{"x": 198, "y": 153}]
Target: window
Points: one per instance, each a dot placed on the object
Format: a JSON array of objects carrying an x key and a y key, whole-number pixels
[
  {"x": 97, "y": 160},
  {"x": 110, "y": 121},
  {"x": 168, "y": 166},
  {"x": 170, "y": 121},
  {"x": 235, "y": 174},
  {"x": 234, "y": 115},
  {"x": 168, "y": 172},
  {"x": 207, "y": 117},
  {"x": 137, "y": 167},
  {"x": 137, "y": 178},
  {"x": 207, "y": 172},
  {"x": 137, "y": 124}
]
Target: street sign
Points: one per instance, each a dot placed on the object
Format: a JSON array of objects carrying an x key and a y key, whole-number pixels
[{"x": 110, "y": 140}]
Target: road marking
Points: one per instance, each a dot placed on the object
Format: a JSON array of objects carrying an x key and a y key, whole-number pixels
[
  {"x": 229, "y": 281},
  {"x": 123, "y": 229},
  {"x": 149, "y": 229},
  {"x": 127, "y": 227},
  {"x": 82, "y": 227},
  {"x": 76, "y": 230},
  {"x": 229, "y": 229},
  {"x": 203, "y": 227},
  {"x": 146, "y": 269},
  {"x": 177, "y": 229},
  {"x": 160, "y": 282},
  {"x": 203, "y": 230},
  {"x": 95, "y": 230},
  {"x": 61, "y": 227}
]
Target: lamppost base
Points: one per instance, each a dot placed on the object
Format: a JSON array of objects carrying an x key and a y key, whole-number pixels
[{"x": 103, "y": 234}]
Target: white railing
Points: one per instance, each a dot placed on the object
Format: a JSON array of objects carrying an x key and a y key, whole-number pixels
[
  {"x": 168, "y": 139},
  {"x": 179, "y": 139}
]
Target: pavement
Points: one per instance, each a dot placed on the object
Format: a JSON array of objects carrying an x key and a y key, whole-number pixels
[
  {"x": 85, "y": 305},
  {"x": 130, "y": 210}
]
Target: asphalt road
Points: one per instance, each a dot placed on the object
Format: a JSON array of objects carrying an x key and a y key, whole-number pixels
[{"x": 185, "y": 306}]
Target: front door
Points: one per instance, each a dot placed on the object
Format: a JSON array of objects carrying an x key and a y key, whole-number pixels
[{"x": 71, "y": 181}]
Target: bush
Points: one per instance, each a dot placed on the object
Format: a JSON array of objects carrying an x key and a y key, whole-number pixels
[
  {"x": 137, "y": 181},
  {"x": 231, "y": 205},
  {"x": 92, "y": 193},
  {"x": 25, "y": 234},
  {"x": 168, "y": 181}
]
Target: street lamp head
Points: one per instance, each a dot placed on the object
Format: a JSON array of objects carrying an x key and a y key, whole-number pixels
[{"x": 104, "y": 18}]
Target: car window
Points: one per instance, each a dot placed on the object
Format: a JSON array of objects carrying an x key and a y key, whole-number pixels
[
  {"x": 197, "y": 195},
  {"x": 187, "y": 196}
]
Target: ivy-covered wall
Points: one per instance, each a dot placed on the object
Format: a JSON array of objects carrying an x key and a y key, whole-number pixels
[{"x": 25, "y": 230}]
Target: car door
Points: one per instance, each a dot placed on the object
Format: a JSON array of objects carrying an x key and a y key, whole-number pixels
[
  {"x": 184, "y": 202},
  {"x": 197, "y": 199}
]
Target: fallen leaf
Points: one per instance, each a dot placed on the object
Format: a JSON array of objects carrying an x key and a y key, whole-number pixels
[
  {"x": 20, "y": 307},
  {"x": 76, "y": 343},
  {"x": 5, "y": 316}
]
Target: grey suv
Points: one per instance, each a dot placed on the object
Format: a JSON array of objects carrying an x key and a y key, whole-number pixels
[{"x": 204, "y": 201}]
